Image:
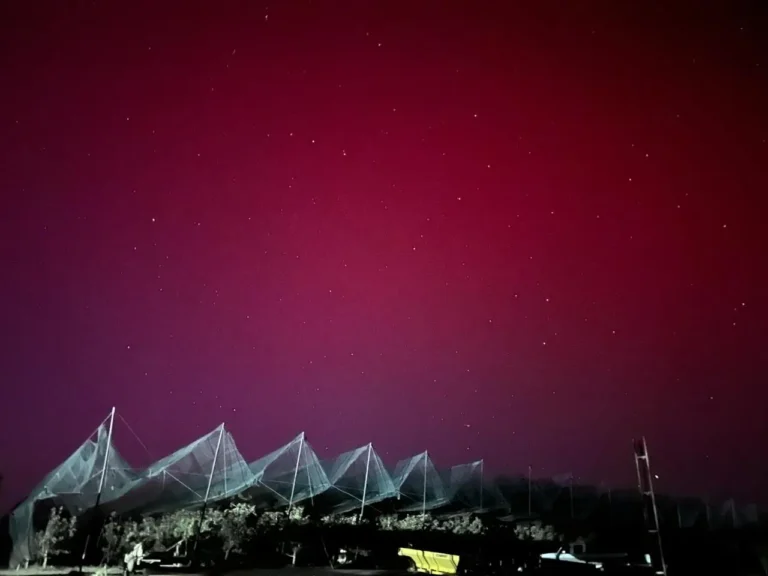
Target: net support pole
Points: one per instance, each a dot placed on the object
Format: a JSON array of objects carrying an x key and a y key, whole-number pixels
[
  {"x": 106, "y": 455},
  {"x": 570, "y": 491},
  {"x": 365, "y": 482},
  {"x": 203, "y": 510},
  {"x": 296, "y": 472},
  {"x": 530, "y": 499},
  {"x": 610, "y": 505},
  {"x": 481, "y": 484},
  {"x": 424, "y": 493},
  {"x": 311, "y": 488},
  {"x": 101, "y": 479},
  {"x": 224, "y": 470},
  {"x": 213, "y": 466}
]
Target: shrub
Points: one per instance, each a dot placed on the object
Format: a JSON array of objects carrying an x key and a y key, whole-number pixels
[{"x": 51, "y": 541}]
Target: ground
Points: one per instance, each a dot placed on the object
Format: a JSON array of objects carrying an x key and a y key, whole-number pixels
[{"x": 37, "y": 571}]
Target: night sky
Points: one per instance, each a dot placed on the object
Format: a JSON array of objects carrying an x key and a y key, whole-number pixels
[{"x": 524, "y": 232}]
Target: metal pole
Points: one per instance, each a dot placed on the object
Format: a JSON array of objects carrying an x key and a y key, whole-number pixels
[
  {"x": 296, "y": 472},
  {"x": 679, "y": 517},
  {"x": 224, "y": 469},
  {"x": 311, "y": 488},
  {"x": 101, "y": 480},
  {"x": 655, "y": 511},
  {"x": 106, "y": 455},
  {"x": 213, "y": 466},
  {"x": 199, "y": 527},
  {"x": 424, "y": 495},
  {"x": 481, "y": 484},
  {"x": 530, "y": 472},
  {"x": 571, "y": 495},
  {"x": 610, "y": 505},
  {"x": 365, "y": 483}
]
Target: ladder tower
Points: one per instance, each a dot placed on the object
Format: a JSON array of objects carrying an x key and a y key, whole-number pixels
[{"x": 650, "y": 511}]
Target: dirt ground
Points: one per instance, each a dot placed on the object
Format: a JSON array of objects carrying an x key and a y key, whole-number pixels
[{"x": 288, "y": 571}]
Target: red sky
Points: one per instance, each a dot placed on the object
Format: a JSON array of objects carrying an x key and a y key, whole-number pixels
[{"x": 521, "y": 231}]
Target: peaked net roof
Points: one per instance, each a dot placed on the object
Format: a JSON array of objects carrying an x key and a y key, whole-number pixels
[
  {"x": 209, "y": 468},
  {"x": 419, "y": 485},
  {"x": 358, "y": 478},
  {"x": 74, "y": 484},
  {"x": 287, "y": 476},
  {"x": 468, "y": 489},
  {"x": 465, "y": 485}
]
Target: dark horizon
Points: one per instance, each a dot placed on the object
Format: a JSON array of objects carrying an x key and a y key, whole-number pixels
[{"x": 523, "y": 232}]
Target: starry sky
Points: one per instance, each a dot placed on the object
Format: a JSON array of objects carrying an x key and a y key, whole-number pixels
[{"x": 521, "y": 231}]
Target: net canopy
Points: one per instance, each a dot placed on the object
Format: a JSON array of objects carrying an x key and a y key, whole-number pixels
[
  {"x": 74, "y": 484},
  {"x": 730, "y": 515},
  {"x": 419, "y": 485},
  {"x": 534, "y": 497},
  {"x": 468, "y": 489},
  {"x": 209, "y": 469},
  {"x": 287, "y": 476},
  {"x": 357, "y": 478}
]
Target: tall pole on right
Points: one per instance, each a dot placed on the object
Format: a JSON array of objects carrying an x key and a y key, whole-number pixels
[
  {"x": 365, "y": 483},
  {"x": 530, "y": 473},
  {"x": 424, "y": 495},
  {"x": 645, "y": 486},
  {"x": 481, "y": 484}
]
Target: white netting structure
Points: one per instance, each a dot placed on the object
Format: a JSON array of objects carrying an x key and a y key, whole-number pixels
[
  {"x": 465, "y": 485},
  {"x": 469, "y": 490},
  {"x": 730, "y": 515},
  {"x": 75, "y": 484},
  {"x": 209, "y": 469},
  {"x": 287, "y": 476},
  {"x": 358, "y": 478},
  {"x": 419, "y": 485}
]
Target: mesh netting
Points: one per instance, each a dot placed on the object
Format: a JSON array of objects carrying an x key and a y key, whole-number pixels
[
  {"x": 208, "y": 469},
  {"x": 514, "y": 490},
  {"x": 586, "y": 500},
  {"x": 470, "y": 491},
  {"x": 419, "y": 485},
  {"x": 358, "y": 478},
  {"x": 212, "y": 469},
  {"x": 689, "y": 512},
  {"x": 465, "y": 485},
  {"x": 730, "y": 515},
  {"x": 287, "y": 476},
  {"x": 526, "y": 496},
  {"x": 73, "y": 484}
]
